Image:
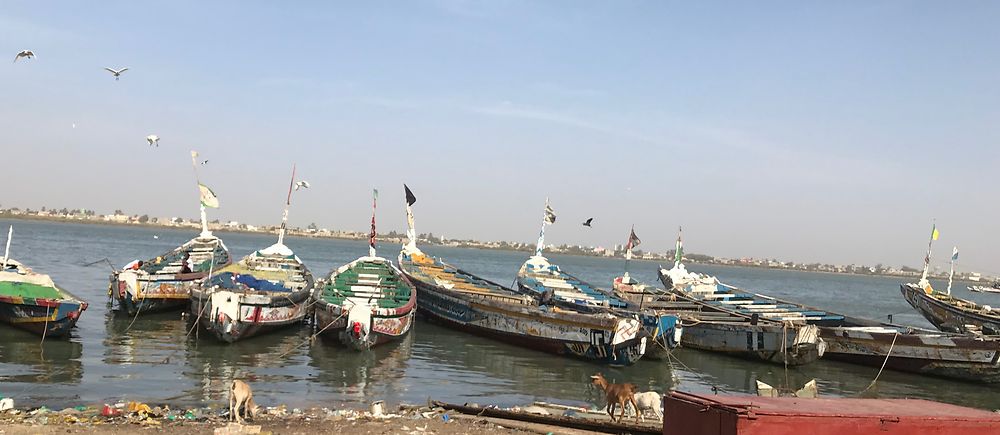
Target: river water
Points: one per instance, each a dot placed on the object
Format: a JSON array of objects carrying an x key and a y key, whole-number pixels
[{"x": 110, "y": 358}]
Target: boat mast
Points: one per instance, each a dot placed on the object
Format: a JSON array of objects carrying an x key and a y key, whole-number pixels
[
  {"x": 411, "y": 231},
  {"x": 6, "y": 251},
  {"x": 284, "y": 215},
  {"x": 371, "y": 238},
  {"x": 628, "y": 254},
  {"x": 923, "y": 283},
  {"x": 678, "y": 249},
  {"x": 205, "y": 233},
  {"x": 951, "y": 274},
  {"x": 548, "y": 217}
]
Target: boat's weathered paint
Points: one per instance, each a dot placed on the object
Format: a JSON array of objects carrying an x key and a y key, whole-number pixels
[
  {"x": 949, "y": 313},
  {"x": 363, "y": 324},
  {"x": 52, "y": 318},
  {"x": 517, "y": 319},
  {"x": 551, "y": 285},
  {"x": 791, "y": 343},
  {"x": 868, "y": 342},
  {"x": 33, "y": 302},
  {"x": 244, "y": 315},
  {"x": 265, "y": 291},
  {"x": 160, "y": 285},
  {"x": 691, "y": 414}
]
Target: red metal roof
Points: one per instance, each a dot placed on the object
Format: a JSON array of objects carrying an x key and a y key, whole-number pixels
[{"x": 692, "y": 414}]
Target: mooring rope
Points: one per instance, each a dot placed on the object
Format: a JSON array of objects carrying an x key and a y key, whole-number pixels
[
  {"x": 45, "y": 329},
  {"x": 313, "y": 336},
  {"x": 883, "y": 364}
]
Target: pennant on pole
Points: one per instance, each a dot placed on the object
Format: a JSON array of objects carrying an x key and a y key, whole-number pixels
[
  {"x": 410, "y": 198},
  {"x": 954, "y": 254},
  {"x": 371, "y": 236}
]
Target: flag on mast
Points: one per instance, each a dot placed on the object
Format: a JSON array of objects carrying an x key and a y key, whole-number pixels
[
  {"x": 679, "y": 248},
  {"x": 633, "y": 240},
  {"x": 550, "y": 215},
  {"x": 371, "y": 236},
  {"x": 410, "y": 198},
  {"x": 954, "y": 254},
  {"x": 935, "y": 233},
  {"x": 208, "y": 198}
]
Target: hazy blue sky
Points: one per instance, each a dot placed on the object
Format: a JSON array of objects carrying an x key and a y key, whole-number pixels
[{"x": 812, "y": 131}]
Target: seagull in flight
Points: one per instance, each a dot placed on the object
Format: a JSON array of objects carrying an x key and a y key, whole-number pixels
[
  {"x": 302, "y": 184},
  {"x": 204, "y": 162},
  {"x": 27, "y": 54},
  {"x": 118, "y": 73},
  {"x": 153, "y": 140},
  {"x": 587, "y": 223}
]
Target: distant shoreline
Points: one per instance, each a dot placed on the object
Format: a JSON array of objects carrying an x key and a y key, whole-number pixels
[{"x": 388, "y": 239}]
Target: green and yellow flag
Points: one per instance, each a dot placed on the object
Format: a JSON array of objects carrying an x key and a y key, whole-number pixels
[
  {"x": 208, "y": 198},
  {"x": 934, "y": 233}
]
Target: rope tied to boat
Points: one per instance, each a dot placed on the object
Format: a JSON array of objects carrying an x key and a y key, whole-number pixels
[
  {"x": 893, "y": 344},
  {"x": 313, "y": 336}
]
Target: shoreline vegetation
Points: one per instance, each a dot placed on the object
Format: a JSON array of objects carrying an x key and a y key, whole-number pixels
[{"x": 119, "y": 218}]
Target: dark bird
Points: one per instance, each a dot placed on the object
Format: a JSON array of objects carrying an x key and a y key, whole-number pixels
[
  {"x": 204, "y": 162},
  {"x": 587, "y": 224}
]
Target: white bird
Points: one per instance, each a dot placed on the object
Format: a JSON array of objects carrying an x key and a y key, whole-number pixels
[
  {"x": 27, "y": 54},
  {"x": 302, "y": 184},
  {"x": 153, "y": 140},
  {"x": 156, "y": 236},
  {"x": 116, "y": 73}
]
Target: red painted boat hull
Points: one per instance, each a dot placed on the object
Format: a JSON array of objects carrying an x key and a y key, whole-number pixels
[{"x": 691, "y": 414}]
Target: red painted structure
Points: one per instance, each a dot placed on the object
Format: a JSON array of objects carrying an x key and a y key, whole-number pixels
[{"x": 690, "y": 414}]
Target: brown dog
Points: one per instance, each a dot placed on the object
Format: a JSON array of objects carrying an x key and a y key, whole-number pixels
[
  {"x": 617, "y": 394},
  {"x": 241, "y": 402}
]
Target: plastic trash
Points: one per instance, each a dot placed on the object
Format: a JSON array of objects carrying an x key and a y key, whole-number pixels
[
  {"x": 6, "y": 403},
  {"x": 445, "y": 418}
]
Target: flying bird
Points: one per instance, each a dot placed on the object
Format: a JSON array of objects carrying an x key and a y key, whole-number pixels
[
  {"x": 204, "y": 162},
  {"x": 153, "y": 140},
  {"x": 587, "y": 223},
  {"x": 118, "y": 73},
  {"x": 302, "y": 184},
  {"x": 27, "y": 54}
]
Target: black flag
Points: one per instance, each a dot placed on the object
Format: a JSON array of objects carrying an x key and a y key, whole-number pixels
[
  {"x": 633, "y": 240},
  {"x": 410, "y": 198}
]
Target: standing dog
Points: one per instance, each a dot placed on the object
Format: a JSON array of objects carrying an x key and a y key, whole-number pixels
[
  {"x": 241, "y": 402},
  {"x": 617, "y": 394}
]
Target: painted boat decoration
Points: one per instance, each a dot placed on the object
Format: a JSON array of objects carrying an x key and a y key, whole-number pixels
[
  {"x": 463, "y": 301},
  {"x": 265, "y": 291},
  {"x": 33, "y": 302},
  {"x": 548, "y": 283},
  {"x": 367, "y": 302},
  {"x": 945, "y": 312},
  {"x": 709, "y": 329},
  {"x": 855, "y": 340},
  {"x": 949, "y": 313},
  {"x": 164, "y": 283}
]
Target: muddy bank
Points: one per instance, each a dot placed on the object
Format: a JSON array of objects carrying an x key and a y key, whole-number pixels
[{"x": 136, "y": 417}]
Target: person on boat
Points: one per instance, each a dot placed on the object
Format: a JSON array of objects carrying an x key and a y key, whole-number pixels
[
  {"x": 187, "y": 266},
  {"x": 134, "y": 265}
]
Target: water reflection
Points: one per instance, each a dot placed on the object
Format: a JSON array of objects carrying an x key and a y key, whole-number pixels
[{"x": 362, "y": 376}]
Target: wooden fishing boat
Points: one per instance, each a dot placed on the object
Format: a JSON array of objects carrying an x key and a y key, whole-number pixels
[
  {"x": 265, "y": 291},
  {"x": 949, "y": 313},
  {"x": 463, "y": 301},
  {"x": 855, "y": 340},
  {"x": 33, "y": 302},
  {"x": 992, "y": 288},
  {"x": 164, "y": 283},
  {"x": 749, "y": 337},
  {"x": 365, "y": 303},
  {"x": 466, "y": 302}
]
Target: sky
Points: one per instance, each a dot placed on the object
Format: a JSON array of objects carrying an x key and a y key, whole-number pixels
[{"x": 832, "y": 132}]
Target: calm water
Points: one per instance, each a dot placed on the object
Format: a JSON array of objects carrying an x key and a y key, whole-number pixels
[{"x": 105, "y": 360}]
